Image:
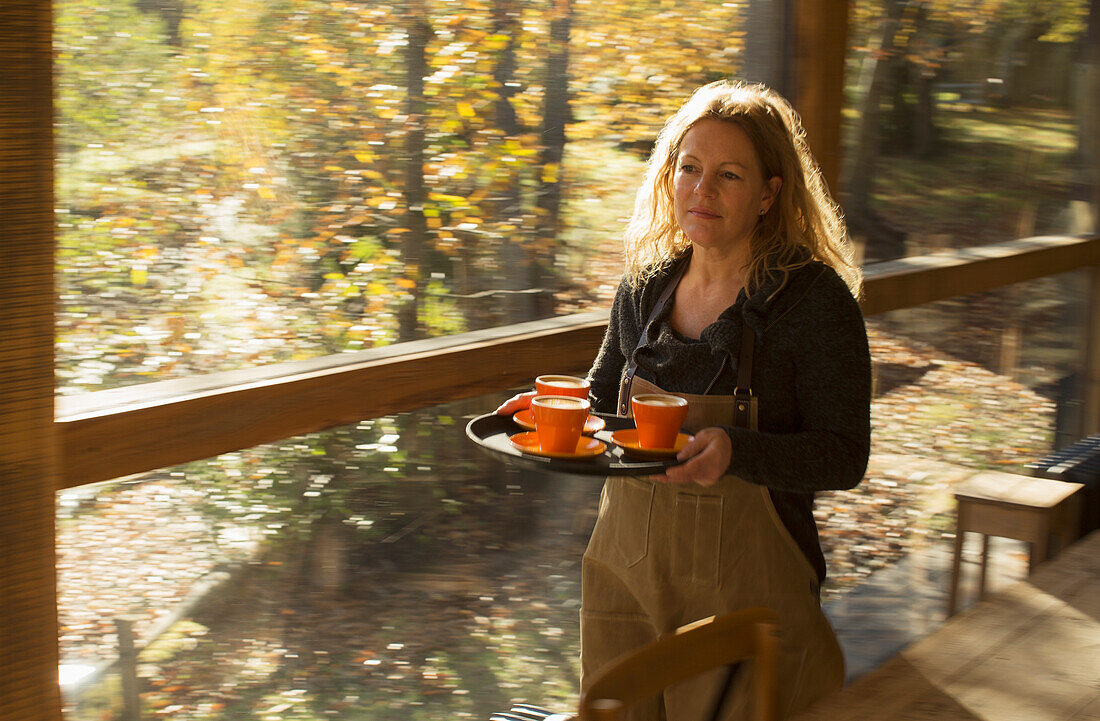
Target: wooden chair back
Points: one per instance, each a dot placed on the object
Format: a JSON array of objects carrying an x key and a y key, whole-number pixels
[{"x": 750, "y": 634}]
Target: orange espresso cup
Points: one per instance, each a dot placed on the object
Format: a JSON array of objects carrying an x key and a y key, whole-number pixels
[
  {"x": 559, "y": 421},
  {"x": 658, "y": 418},
  {"x": 562, "y": 386}
]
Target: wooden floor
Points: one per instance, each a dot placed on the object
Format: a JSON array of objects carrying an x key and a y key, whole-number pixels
[{"x": 1030, "y": 652}]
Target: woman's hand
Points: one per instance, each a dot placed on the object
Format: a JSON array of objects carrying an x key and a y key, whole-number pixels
[
  {"x": 518, "y": 402},
  {"x": 704, "y": 460}
]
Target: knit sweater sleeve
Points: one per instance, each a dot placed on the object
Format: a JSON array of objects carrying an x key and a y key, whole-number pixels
[{"x": 832, "y": 392}]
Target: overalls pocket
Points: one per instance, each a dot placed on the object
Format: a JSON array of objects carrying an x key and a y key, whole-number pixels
[
  {"x": 623, "y": 528},
  {"x": 696, "y": 537}
]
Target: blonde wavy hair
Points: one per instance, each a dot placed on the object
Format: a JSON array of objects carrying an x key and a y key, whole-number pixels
[{"x": 803, "y": 223}]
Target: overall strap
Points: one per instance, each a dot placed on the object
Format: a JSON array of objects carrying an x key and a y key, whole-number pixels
[
  {"x": 658, "y": 307},
  {"x": 744, "y": 400}
]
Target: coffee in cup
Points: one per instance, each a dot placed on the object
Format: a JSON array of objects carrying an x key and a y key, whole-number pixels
[
  {"x": 555, "y": 385},
  {"x": 658, "y": 418},
  {"x": 559, "y": 421}
]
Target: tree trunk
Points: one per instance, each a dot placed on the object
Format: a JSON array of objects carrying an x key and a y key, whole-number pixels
[
  {"x": 900, "y": 137},
  {"x": 555, "y": 117},
  {"x": 505, "y": 14},
  {"x": 924, "y": 125},
  {"x": 1088, "y": 119},
  {"x": 171, "y": 12},
  {"x": 923, "y": 77},
  {"x": 415, "y": 237},
  {"x": 1009, "y": 59},
  {"x": 873, "y": 77},
  {"x": 327, "y": 555},
  {"x": 766, "y": 58},
  {"x": 514, "y": 261},
  {"x": 881, "y": 241}
]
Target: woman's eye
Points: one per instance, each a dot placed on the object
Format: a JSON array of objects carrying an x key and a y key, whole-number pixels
[
  {"x": 687, "y": 168},
  {"x": 730, "y": 176}
]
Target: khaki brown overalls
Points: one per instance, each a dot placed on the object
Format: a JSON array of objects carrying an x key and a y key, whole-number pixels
[{"x": 663, "y": 555}]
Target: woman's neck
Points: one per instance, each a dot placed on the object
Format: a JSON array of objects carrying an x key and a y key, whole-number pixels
[{"x": 718, "y": 266}]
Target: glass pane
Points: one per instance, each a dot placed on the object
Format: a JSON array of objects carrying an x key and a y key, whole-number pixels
[
  {"x": 391, "y": 570},
  {"x": 241, "y": 183},
  {"x": 984, "y": 381},
  {"x": 384, "y": 570},
  {"x": 1010, "y": 369},
  {"x": 967, "y": 124}
]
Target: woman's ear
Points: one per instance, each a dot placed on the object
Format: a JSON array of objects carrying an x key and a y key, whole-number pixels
[{"x": 771, "y": 192}]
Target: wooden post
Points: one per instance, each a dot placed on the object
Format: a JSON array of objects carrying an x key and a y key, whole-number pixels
[
  {"x": 127, "y": 669},
  {"x": 1011, "y": 340},
  {"x": 29, "y": 689},
  {"x": 821, "y": 42}
]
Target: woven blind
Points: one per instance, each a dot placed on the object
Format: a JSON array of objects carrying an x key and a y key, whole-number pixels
[{"x": 28, "y": 606}]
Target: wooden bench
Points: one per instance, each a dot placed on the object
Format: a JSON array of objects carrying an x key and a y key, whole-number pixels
[
  {"x": 1077, "y": 463},
  {"x": 1039, "y": 511}
]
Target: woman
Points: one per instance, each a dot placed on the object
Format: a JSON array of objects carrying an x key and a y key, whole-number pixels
[{"x": 739, "y": 295}]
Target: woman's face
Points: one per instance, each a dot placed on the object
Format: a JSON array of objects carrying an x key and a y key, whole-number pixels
[{"x": 718, "y": 185}]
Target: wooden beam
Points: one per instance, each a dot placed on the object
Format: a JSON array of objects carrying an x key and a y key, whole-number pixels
[
  {"x": 109, "y": 434},
  {"x": 28, "y": 602},
  {"x": 917, "y": 280},
  {"x": 142, "y": 428}
]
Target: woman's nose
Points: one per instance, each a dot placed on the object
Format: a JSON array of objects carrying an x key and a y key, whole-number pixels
[{"x": 705, "y": 186}]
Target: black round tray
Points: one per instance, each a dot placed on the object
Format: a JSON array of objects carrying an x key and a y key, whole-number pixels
[{"x": 490, "y": 432}]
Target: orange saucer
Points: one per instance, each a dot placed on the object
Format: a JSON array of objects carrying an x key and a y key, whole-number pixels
[
  {"x": 523, "y": 419},
  {"x": 529, "y": 443},
  {"x": 627, "y": 439}
]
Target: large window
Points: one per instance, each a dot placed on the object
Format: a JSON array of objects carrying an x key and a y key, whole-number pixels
[
  {"x": 243, "y": 183},
  {"x": 967, "y": 124}
]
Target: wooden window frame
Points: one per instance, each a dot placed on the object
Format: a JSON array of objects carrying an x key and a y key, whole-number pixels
[{"x": 28, "y": 459}]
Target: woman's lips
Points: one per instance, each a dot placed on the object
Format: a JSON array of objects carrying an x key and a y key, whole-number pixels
[{"x": 703, "y": 213}]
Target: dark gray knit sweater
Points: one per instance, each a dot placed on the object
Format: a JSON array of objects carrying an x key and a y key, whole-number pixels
[{"x": 811, "y": 372}]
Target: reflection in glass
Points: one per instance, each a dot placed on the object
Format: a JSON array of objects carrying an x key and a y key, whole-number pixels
[
  {"x": 385, "y": 570},
  {"x": 967, "y": 125},
  {"x": 983, "y": 381}
]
